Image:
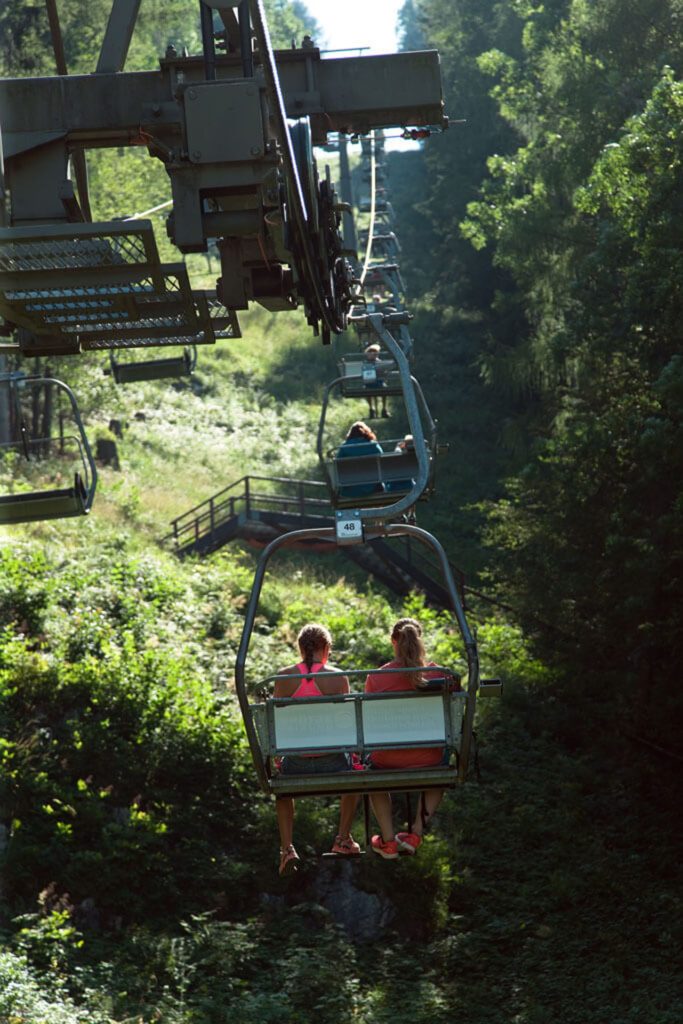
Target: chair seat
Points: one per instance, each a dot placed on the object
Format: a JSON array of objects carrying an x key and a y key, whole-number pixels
[
  {"x": 31, "y": 506},
  {"x": 152, "y": 369}
]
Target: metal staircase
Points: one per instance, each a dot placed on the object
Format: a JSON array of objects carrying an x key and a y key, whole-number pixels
[{"x": 258, "y": 508}]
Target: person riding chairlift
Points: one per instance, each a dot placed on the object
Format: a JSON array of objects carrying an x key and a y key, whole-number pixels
[
  {"x": 360, "y": 440},
  {"x": 409, "y": 652},
  {"x": 403, "y": 448},
  {"x": 374, "y": 388},
  {"x": 315, "y": 643}
]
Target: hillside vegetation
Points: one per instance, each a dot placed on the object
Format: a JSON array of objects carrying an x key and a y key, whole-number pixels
[{"x": 138, "y": 857}]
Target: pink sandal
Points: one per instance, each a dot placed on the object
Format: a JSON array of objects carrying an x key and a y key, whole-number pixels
[
  {"x": 347, "y": 846},
  {"x": 289, "y": 861}
]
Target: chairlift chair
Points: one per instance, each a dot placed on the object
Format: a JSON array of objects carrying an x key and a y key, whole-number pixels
[
  {"x": 377, "y": 480},
  {"x": 379, "y": 475},
  {"x": 170, "y": 367},
  {"x": 439, "y": 715},
  {"x": 61, "y": 456},
  {"x": 363, "y": 378}
]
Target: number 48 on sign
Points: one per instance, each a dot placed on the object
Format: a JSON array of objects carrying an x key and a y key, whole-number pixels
[{"x": 349, "y": 527}]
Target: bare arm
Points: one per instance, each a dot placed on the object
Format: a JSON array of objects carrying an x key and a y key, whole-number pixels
[
  {"x": 337, "y": 684},
  {"x": 284, "y": 687}
]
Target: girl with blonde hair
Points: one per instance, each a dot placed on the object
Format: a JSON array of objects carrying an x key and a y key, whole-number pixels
[{"x": 409, "y": 652}]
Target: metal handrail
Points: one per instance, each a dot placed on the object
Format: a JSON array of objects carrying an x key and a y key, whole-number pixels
[
  {"x": 211, "y": 513},
  {"x": 243, "y": 480},
  {"x": 215, "y": 512}
]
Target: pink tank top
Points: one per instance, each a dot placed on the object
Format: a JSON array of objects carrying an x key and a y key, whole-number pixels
[{"x": 307, "y": 686}]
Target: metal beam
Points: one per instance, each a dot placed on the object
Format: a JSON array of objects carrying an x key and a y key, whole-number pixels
[
  {"x": 208, "y": 41},
  {"x": 232, "y": 28},
  {"x": 352, "y": 94},
  {"x": 78, "y": 156},
  {"x": 57, "y": 39},
  {"x": 117, "y": 36},
  {"x": 346, "y": 192}
]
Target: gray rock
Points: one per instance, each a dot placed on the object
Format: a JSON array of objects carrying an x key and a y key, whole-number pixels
[{"x": 362, "y": 915}]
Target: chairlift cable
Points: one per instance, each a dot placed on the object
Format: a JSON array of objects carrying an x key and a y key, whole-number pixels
[
  {"x": 146, "y": 213},
  {"x": 371, "y": 228}
]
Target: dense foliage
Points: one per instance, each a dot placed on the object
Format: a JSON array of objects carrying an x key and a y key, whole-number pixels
[
  {"x": 137, "y": 856},
  {"x": 558, "y": 289}
]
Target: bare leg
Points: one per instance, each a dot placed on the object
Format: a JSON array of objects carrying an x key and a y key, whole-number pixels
[
  {"x": 284, "y": 807},
  {"x": 347, "y": 811},
  {"x": 432, "y": 798},
  {"x": 381, "y": 805}
]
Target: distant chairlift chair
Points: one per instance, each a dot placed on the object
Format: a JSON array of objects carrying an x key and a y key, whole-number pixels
[
  {"x": 361, "y": 374},
  {"x": 169, "y": 367},
  {"x": 373, "y": 474},
  {"x": 55, "y": 456}
]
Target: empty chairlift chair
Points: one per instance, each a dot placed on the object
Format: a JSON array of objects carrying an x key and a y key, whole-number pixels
[
  {"x": 48, "y": 471},
  {"x": 166, "y": 368}
]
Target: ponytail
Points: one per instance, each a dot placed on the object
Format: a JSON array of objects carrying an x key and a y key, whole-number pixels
[
  {"x": 410, "y": 650},
  {"x": 313, "y": 637}
]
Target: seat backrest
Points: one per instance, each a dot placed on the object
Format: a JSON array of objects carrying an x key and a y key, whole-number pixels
[
  {"x": 358, "y": 469},
  {"x": 360, "y": 722},
  {"x": 151, "y": 369},
  {"x": 352, "y": 369},
  {"x": 399, "y": 466},
  {"x": 408, "y": 719},
  {"x": 301, "y": 727}
]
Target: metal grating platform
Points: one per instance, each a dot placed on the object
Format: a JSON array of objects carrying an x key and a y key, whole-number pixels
[
  {"x": 48, "y": 308},
  {"x": 101, "y": 287},
  {"x": 77, "y": 255},
  {"x": 67, "y": 312},
  {"x": 106, "y": 345},
  {"x": 223, "y": 320},
  {"x": 148, "y": 315}
]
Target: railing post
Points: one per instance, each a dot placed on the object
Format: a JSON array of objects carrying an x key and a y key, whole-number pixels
[
  {"x": 212, "y": 519},
  {"x": 301, "y": 498},
  {"x": 246, "y": 495}
]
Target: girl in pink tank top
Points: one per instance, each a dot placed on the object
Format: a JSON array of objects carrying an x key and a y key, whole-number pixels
[
  {"x": 308, "y": 687},
  {"x": 409, "y": 651},
  {"x": 314, "y": 643}
]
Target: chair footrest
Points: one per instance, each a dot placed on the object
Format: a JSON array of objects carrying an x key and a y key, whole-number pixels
[
  {"x": 398, "y": 780},
  {"x": 344, "y": 856}
]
